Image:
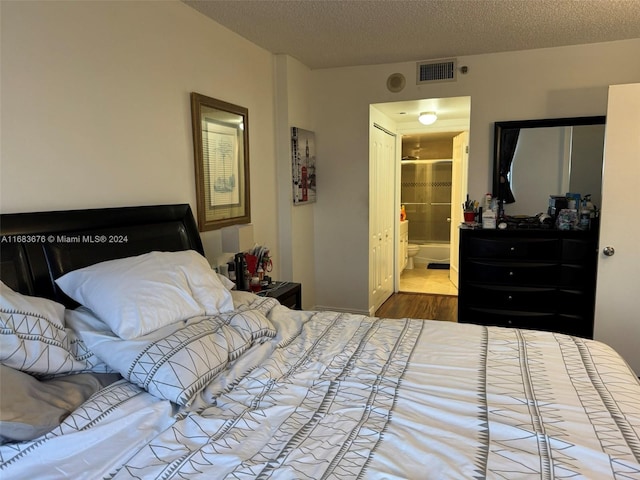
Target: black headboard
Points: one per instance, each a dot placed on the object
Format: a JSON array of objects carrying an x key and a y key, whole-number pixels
[{"x": 37, "y": 248}]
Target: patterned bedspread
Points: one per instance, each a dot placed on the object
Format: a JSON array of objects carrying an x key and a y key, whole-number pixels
[{"x": 336, "y": 395}]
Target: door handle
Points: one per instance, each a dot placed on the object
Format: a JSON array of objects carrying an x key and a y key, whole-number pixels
[{"x": 609, "y": 251}]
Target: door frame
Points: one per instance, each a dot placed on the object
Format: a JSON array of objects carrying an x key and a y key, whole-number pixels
[
  {"x": 401, "y": 126},
  {"x": 464, "y": 175}
]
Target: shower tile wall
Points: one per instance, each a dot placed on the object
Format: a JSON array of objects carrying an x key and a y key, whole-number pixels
[{"x": 426, "y": 194}]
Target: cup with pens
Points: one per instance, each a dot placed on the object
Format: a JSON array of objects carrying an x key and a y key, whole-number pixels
[{"x": 470, "y": 210}]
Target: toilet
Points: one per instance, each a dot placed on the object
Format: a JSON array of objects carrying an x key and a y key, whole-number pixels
[{"x": 412, "y": 251}]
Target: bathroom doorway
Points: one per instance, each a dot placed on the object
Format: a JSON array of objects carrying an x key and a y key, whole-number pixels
[
  {"x": 428, "y": 181},
  {"x": 435, "y": 187},
  {"x": 425, "y": 193}
]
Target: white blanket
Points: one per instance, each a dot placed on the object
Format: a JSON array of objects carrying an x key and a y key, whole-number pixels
[{"x": 346, "y": 396}]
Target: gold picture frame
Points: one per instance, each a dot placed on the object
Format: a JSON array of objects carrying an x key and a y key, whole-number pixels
[{"x": 221, "y": 153}]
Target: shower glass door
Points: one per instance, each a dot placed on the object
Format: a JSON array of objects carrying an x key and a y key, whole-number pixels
[{"x": 426, "y": 194}]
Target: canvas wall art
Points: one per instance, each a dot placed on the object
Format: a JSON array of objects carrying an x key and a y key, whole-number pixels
[{"x": 303, "y": 158}]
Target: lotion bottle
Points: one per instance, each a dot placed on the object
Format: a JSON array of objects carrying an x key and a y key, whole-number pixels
[
  {"x": 488, "y": 219},
  {"x": 488, "y": 213}
]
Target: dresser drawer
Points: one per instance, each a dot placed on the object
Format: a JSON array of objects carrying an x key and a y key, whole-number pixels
[
  {"x": 575, "y": 276},
  {"x": 579, "y": 302},
  {"x": 510, "y": 298},
  {"x": 514, "y": 247},
  {"x": 578, "y": 250},
  {"x": 567, "y": 324},
  {"x": 510, "y": 318},
  {"x": 578, "y": 325},
  {"x": 511, "y": 273}
]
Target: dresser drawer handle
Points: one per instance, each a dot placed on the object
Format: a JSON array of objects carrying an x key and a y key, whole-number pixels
[
  {"x": 509, "y": 297},
  {"x": 511, "y": 274},
  {"x": 513, "y": 249}
]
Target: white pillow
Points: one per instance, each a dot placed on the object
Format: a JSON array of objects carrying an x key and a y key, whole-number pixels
[
  {"x": 34, "y": 339},
  {"x": 228, "y": 283},
  {"x": 138, "y": 295},
  {"x": 50, "y": 311}
]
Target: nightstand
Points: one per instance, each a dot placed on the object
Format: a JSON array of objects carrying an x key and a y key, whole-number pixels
[{"x": 288, "y": 294}]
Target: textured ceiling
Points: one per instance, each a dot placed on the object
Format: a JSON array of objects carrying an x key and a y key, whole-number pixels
[{"x": 338, "y": 33}]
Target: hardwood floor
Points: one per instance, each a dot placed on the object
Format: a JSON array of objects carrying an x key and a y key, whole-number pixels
[{"x": 420, "y": 305}]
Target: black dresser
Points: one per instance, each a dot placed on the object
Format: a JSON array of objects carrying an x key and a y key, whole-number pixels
[{"x": 535, "y": 279}]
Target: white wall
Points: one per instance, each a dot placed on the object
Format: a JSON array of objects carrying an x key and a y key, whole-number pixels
[
  {"x": 296, "y": 223},
  {"x": 544, "y": 83},
  {"x": 95, "y": 106}
]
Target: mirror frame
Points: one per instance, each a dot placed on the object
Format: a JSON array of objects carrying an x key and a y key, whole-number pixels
[
  {"x": 235, "y": 207},
  {"x": 500, "y": 129}
]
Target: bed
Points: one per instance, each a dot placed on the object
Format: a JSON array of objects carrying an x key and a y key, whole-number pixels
[{"x": 153, "y": 369}]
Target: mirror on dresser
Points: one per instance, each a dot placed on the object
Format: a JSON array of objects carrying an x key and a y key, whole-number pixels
[{"x": 535, "y": 159}]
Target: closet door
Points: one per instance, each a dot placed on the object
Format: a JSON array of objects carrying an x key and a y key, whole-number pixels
[
  {"x": 459, "y": 169},
  {"x": 618, "y": 291},
  {"x": 381, "y": 219}
]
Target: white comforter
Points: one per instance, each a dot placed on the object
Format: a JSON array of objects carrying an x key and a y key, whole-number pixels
[{"x": 346, "y": 396}]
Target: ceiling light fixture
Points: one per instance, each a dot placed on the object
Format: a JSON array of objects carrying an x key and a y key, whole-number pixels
[{"x": 427, "y": 118}]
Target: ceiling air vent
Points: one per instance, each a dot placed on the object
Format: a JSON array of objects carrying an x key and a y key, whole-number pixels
[{"x": 436, "y": 71}]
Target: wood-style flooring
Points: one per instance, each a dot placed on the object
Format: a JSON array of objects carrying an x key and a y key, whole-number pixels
[{"x": 420, "y": 305}]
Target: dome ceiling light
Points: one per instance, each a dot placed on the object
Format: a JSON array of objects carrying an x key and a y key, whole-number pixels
[{"x": 427, "y": 118}]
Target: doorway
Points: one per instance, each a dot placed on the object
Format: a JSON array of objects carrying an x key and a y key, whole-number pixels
[{"x": 429, "y": 273}]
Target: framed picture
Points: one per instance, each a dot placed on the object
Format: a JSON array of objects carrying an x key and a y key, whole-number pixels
[
  {"x": 221, "y": 153},
  {"x": 303, "y": 162}
]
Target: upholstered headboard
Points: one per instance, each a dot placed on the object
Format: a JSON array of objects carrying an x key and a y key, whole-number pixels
[{"x": 37, "y": 248}]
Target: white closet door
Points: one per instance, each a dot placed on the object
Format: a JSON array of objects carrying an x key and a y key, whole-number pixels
[
  {"x": 459, "y": 169},
  {"x": 381, "y": 219},
  {"x": 617, "y": 319}
]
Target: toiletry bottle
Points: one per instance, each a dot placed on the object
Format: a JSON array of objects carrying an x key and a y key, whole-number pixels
[
  {"x": 585, "y": 217},
  {"x": 501, "y": 216},
  {"x": 487, "y": 202},
  {"x": 488, "y": 219}
]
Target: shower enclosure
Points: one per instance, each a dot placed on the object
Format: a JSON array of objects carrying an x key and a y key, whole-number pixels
[{"x": 425, "y": 191}]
